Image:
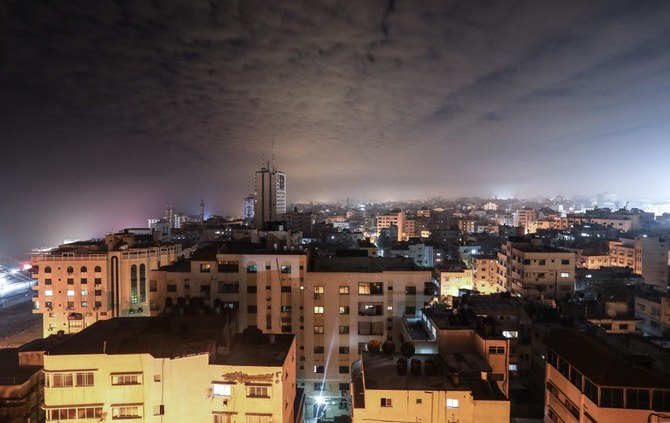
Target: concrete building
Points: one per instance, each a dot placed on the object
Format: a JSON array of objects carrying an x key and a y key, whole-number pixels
[
  {"x": 269, "y": 195},
  {"x": 536, "y": 272},
  {"x": 388, "y": 220},
  {"x": 484, "y": 274},
  {"x": 648, "y": 256},
  {"x": 172, "y": 370},
  {"x": 590, "y": 379},
  {"x": 652, "y": 312},
  {"x": 453, "y": 280},
  {"x": 248, "y": 207},
  {"x": 524, "y": 217},
  {"x": 83, "y": 282},
  {"x": 347, "y": 303}
]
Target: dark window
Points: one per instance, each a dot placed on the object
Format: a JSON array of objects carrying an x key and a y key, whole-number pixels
[
  {"x": 252, "y": 309},
  {"x": 98, "y": 304},
  {"x": 171, "y": 288},
  {"x": 83, "y": 269},
  {"x": 205, "y": 289},
  {"x": 97, "y": 269},
  {"x": 286, "y": 329},
  {"x": 611, "y": 397},
  {"x": 591, "y": 391},
  {"x": 637, "y": 399},
  {"x": 541, "y": 262},
  {"x": 97, "y": 281},
  {"x": 526, "y": 261},
  {"x": 563, "y": 367},
  {"x": 661, "y": 400},
  {"x": 344, "y": 386},
  {"x": 319, "y": 369},
  {"x": 229, "y": 267},
  {"x": 318, "y": 349},
  {"x": 344, "y": 330},
  {"x": 285, "y": 289},
  {"x": 98, "y": 292},
  {"x": 410, "y": 311},
  {"x": 565, "y": 261},
  {"x": 47, "y": 281},
  {"x": 47, "y": 269},
  {"x": 318, "y": 386},
  {"x": 251, "y": 289},
  {"x": 70, "y": 281},
  {"x": 410, "y": 290},
  {"x": 84, "y": 281},
  {"x": 576, "y": 378},
  {"x": 344, "y": 370},
  {"x": 344, "y": 350}
]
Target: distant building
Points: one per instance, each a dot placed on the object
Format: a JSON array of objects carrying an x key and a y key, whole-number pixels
[
  {"x": 83, "y": 282},
  {"x": 248, "y": 208},
  {"x": 388, "y": 220},
  {"x": 269, "y": 195},
  {"x": 174, "y": 370},
  {"x": 647, "y": 256}
]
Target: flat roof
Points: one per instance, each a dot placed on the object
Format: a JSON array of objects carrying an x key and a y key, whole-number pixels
[
  {"x": 177, "y": 336},
  {"x": 606, "y": 364},
  {"x": 380, "y": 373},
  {"x": 365, "y": 264}
]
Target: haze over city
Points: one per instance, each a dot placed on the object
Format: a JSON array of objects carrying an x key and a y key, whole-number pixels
[{"x": 111, "y": 111}]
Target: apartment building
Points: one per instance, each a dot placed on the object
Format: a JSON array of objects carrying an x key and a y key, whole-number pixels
[
  {"x": 484, "y": 274},
  {"x": 172, "y": 369},
  {"x": 536, "y": 272},
  {"x": 652, "y": 312},
  {"x": 347, "y": 303},
  {"x": 453, "y": 280},
  {"x": 388, "y": 220},
  {"x": 524, "y": 217},
  {"x": 83, "y": 282},
  {"x": 453, "y": 368},
  {"x": 590, "y": 379},
  {"x": 647, "y": 256}
]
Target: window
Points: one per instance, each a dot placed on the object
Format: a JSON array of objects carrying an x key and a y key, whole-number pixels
[
  {"x": 637, "y": 399},
  {"x": 97, "y": 281},
  {"x": 661, "y": 400},
  {"x": 222, "y": 389},
  {"x": 452, "y": 403},
  {"x": 344, "y": 370},
  {"x": 205, "y": 267},
  {"x": 70, "y": 281},
  {"x": 386, "y": 402},
  {"x": 70, "y": 270},
  {"x": 496, "y": 350},
  {"x": 344, "y": 290},
  {"x": 344, "y": 350},
  {"x": 576, "y": 378},
  {"x": 70, "y": 292},
  {"x": 344, "y": 330},
  {"x": 252, "y": 268},
  {"x": 565, "y": 274},
  {"x": 319, "y": 369},
  {"x": 285, "y": 288},
  {"x": 48, "y": 304},
  {"x": 127, "y": 379},
  {"x": 98, "y": 304},
  {"x": 47, "y": 269},
  {"x": 48, "y": 293},
  {"x": 319, "y": 386},
  {"x": 223, "y": 418},
  {"x": 47, "y": 281},
  {"x": 258, "y": 391},
  {"x": 78, "y": 413},
  {"x": 97, "y": 269},
  {"x": 370, "y": 288},
  {"x": 318, "y": 290},
  {"x": 541, "y": 262},
  {"x": 318, "y": 328},
  {"x": 70, "y": 304},
  {"x": 172, "y": 288},
  {"x": 591, "y": 391},
  {"x": 252, "y": 289},
  {"x": 285, "y": 268},
  {"x": 318, "y": 309},
  {"x": 85, "y": 379},
  {"x": 259, "y": 418},
  {"x": 59, "y": 380},
  {"x": 611, "y": 397},
  {"x": 126, "y": 412},
  {"x": 159, "y": 410},
  {"x": 563, "y": 367},
  {"x": 410, "y": 290},
  {"x": 84, "y": 303},
  {"x": 252, "y": 309},
  {"x": 344, "y": 309},
  {"x": 286, "y": 309},
  {"x": 84, "y": 281},
  {"x": 318, "y": 349},
  {"x": 84, "y": 293},
  {"x": 565, "y": 261}
]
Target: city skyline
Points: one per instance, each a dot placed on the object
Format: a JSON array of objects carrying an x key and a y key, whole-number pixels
[{"x": 111, "y": 112}]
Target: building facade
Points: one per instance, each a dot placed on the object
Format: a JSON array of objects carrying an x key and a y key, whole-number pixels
[{"x": 269, "y": 196}]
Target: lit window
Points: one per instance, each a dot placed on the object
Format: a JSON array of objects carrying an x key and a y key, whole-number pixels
[
  {"x": 70, "y": 292},
  {"x": 513, "y": 367},
  {"x": 344, "y": 290},
  {"x": 344, "y": 309},
  {"x": 48, "y": 293},
  {"x": 205, "y": 267},
  {"x": 318, "y": 290},
  {"x": 84, "y": 293},
  {"x": 223, "y": 418},
  {"x": 59, "y": 380},
  {"x": 318, "y": 309},
  {"x": 452, "y": 403},
  {"x": 318, "y": 329},
  {"x": 510, "y": 334},
  {"x": 221, "y": 389},
  {"x": 386, "y": 402},
  {"x": 565, "y": 274}
]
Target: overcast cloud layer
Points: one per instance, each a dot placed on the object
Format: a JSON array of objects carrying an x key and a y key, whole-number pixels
[{"x": 111, "y": 109}]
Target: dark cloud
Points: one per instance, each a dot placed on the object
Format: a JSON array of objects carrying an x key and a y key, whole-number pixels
[{"x": 125, "y": 106}]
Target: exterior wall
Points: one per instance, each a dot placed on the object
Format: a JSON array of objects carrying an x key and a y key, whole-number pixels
[
  {"x": 647, "y": 257},
  {"x": 484, "y": 271},
  {"x": 451, "y": 282},
  {"x": 21, "y": 402},
  {"x": 183, "y": 386},
  {"x": 653, "y": 315},
  {"x": 384, "y": 320},
  {"x": 74, "y": 295},
  {"x": 392, "y": 219}
]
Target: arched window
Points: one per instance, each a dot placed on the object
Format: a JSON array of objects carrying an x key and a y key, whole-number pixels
[
  {"x": 97, "y": 269},
  {"x": 70, "y": 270},
  {"x": 133, "y": 284},
  {"x": 47, "y": 269},
  {"x": 83, "y": 269}
]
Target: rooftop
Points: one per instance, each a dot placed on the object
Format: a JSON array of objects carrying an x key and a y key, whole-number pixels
[
  {"x": 365, "y": 264},
  {"x": 611, "y": 363}
]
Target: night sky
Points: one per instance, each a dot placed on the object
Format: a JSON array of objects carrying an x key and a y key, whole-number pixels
[{"x": 109, "y": 110}]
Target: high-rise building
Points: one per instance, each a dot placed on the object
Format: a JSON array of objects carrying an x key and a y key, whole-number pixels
[
  {"x": 269, "y": 195},
  {"x": 248, "y": 207}
]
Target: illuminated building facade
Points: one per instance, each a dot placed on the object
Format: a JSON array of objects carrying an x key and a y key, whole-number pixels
[
  {"x": 536, "y": 272},
  {"x": 172, "y": 370},
  {"x": 387, "y": 220},
  {"x": 647, "y": 256},
  {"x": 269, "y": 196},
  {"x": 81, "y": 283}
]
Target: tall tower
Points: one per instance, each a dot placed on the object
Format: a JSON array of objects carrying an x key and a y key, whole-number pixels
[
  {"x": 269, "y": 195},
  {"x": 202, "y": 210}
]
